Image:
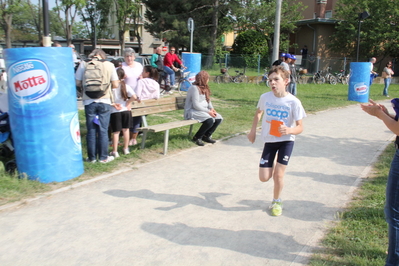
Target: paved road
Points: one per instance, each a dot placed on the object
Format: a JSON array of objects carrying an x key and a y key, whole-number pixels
[{"x": 203, "y": 206}]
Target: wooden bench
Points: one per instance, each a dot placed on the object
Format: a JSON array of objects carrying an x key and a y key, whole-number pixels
[{"x": 161, "y": 105}]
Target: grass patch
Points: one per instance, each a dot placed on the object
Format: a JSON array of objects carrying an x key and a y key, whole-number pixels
[
  {"x": 360, "y": 235},
  {"x": 237, "y": 104}
]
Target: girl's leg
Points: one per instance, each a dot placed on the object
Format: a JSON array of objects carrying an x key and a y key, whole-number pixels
[
  {"x": 206, "y": 125},
  {"x": 126, "y": 134},
  {"x": 115, "y": 141}
]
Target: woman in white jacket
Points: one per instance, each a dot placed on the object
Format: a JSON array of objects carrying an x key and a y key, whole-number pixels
[{"x": 147, "y": 88}]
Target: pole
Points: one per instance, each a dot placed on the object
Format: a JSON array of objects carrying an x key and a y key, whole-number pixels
[
  {"x": 46, "y": 32},
  {"x": 358, "y": 40},
  {"x": 276, "y": 41}
]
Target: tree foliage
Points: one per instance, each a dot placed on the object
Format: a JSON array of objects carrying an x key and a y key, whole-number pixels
[
  {"x": 378, "y": 34},
  {"x": 169, "y": 22},
  {"x": 128, "y": 14},
  {"x": 95, "y": 16},
  {"x": 7, "y": 9},
  {"x": 259, "y": 16},
  {"x": 69, "y": 9}
]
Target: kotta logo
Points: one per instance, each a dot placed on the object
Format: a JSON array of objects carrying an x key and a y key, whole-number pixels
[{"x": 29, "y": 80}]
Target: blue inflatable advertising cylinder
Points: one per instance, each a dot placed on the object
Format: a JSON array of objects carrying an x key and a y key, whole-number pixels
[
  {"x": 359, "y": 82},
  {"x": 43, "y": 113},
  {"x": 193, "y": 63}
]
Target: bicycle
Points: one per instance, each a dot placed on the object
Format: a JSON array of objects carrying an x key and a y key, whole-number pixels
[
  {"x": 263, "y": 78},
  {"x": 183, "y": 82},
  {"x": 330, "y": 77},
  {"x": 318, "y": 78},
  {"x": 342, "y": 78},
  {"x": 164, "y": 83},
  {"x": 224, "y": 77},
  {"x": 240, "y": 77}
]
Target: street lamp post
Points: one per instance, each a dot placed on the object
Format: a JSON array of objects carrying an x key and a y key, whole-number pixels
[{"x": 361, "y": 17}]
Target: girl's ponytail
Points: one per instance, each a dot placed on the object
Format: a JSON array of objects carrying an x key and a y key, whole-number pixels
[{"x": 121, "y": 76}]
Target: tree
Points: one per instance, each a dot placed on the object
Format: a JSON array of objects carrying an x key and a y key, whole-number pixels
[
  {"x": 70, "y": 9},
  {"x": 7, "y": 9},
  {"x": 259, "y": 16},
  {"x": 378, "y": 35},
  {"x": 127, "y": 14},
  {"x": 169, "y": 22},
  {"x": 95, "y": 16},
  {"x": 250, "y": 44}
]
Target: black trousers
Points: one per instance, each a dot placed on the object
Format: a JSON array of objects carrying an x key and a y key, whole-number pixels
[{"x": 207, "y": 128}]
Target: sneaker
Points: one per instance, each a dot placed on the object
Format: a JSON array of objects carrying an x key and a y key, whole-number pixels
[
  {"x": 133, "y": 142},
  {"x": 198, "y": 142},
  {"x": 115, "y": 154},
  {"x": 208, "y": 139},
  {"x": 173, "y": 87},
  {"x": 90, "y": 161},
  {"x": 109, "y": 159},
  {"x": 126, "y": 151},
  {"x": 277, "y": 208}
]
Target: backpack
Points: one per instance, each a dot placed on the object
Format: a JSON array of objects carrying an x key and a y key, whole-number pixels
[{"x": 94, "y": 83}]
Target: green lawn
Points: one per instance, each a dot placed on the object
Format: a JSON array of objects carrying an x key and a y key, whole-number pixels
[{"x": 359, "y": 237}]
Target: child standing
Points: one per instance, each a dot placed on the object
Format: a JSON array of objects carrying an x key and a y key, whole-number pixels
[
  {"x": 120, "y": 118},
  {"x": 147, "y": 88},
  {"x": 281, "y": 122}
]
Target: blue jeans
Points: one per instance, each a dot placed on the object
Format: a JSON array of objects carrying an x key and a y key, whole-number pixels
[
  {"x": 387, "y": 82},
  {"x": 97, "y": 135},
  {"x": 171, "y": 74},
  {"x": 292, "y": 88},
  {"x": 392, "y": 212}
]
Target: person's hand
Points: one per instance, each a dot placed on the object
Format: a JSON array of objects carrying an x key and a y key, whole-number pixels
[
  {"x": 212, "y": 112},
  {"x": 284, "y": 130},
  {"x": 372, "y": 108},
  {"x": 129, "y": 106},
  {"x": 117, "y": 106},
  {"x": 251, "y": 136}
]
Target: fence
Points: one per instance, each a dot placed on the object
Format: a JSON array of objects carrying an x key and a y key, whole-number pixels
[{"x": 256, "y": 63}]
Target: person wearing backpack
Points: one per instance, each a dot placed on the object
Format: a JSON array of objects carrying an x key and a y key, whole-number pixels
[{"x": 97, "y": 77}]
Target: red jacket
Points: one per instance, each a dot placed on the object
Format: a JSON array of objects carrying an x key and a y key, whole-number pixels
[{"x": 169, "y": 59}]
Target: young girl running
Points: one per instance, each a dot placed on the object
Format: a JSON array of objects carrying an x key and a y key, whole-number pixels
[
  {"x": 147, "y": 88},
  {"x": 120, "y": 119},
  {"x": 280, "y": 123}
]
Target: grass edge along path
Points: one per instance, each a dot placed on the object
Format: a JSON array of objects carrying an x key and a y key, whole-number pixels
[{"x": 359, "y": 236}]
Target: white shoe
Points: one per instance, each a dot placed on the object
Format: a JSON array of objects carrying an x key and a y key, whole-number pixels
[
  {"x": 114, "y": 154},
  {"x": 109, "y": 159},
  {"x": 126, "y": 151},
  {"x": 174, "y": 87}
]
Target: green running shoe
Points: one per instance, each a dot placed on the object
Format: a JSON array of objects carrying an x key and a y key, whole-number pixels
[{"x": 277, "y": 208}]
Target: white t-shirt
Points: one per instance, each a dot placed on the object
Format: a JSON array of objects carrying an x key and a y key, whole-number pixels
[
  {"x": 287, "y": 109},
  {"x": 118, "y": 98},
  {"x": 132, "y": 73}
]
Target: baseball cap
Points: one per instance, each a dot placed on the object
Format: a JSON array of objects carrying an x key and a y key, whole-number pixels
[
  {"x": 282, "y": 55},
  {"x": 287, "y": 55},
  {"x": 293, "y": 57}
]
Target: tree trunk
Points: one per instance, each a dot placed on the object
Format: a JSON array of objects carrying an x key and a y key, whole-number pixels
[
  {"x": 7, "y": 30},
  {"x": 214, "y": 31},
  {"x": 122, "y": 40}
]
